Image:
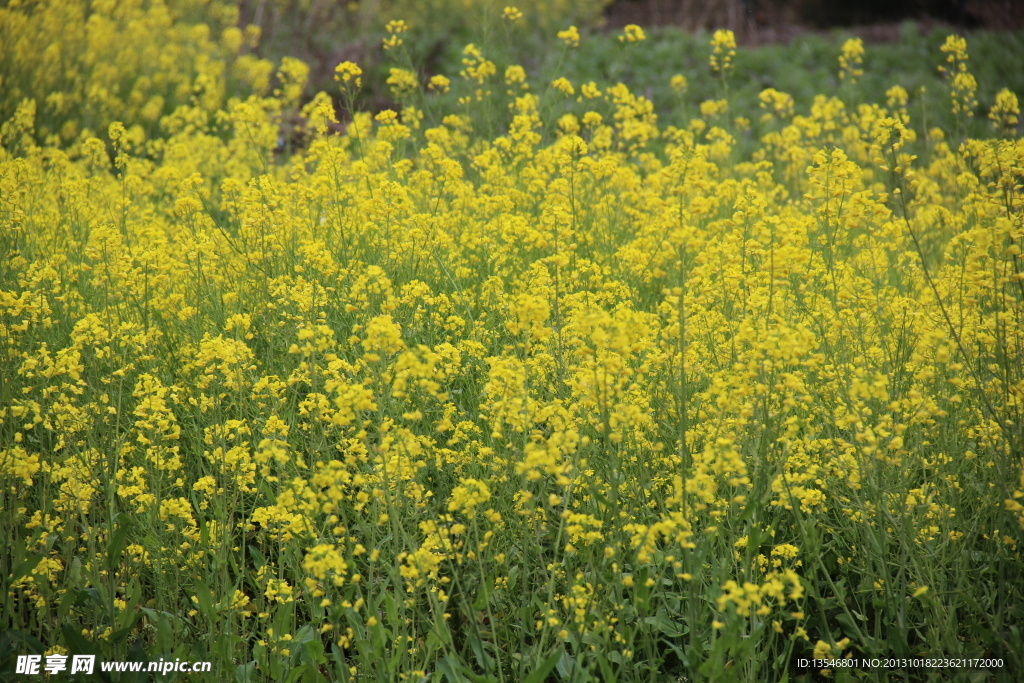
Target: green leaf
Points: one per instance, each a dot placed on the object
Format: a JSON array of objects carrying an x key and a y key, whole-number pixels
[
  {"x": 379, "y": 640},
  {"x": 607, "y": 675},
  {"x": 391, "y": 609},
  {"x": 541, "y": 672},
  {"x": 246, "y": 673},
  {"x": 664, "y": 625},
  {"x": 164, "y": 638},
  {"x": 130, "y": 615},
  {"x": 24, "y": 567},
  {"x": 483, "y": 595},
  {"x": 341, "y": 670},
  {"x": 295, "y": 674},
  {"x": 567, "y": 667},
  {"x": 117, "y": 539},
  {"x": 205, "y": 599},
  {"x": 313, "y": 652},
  {"x": 77, "y": 643},
  {"x": 11, "y": 636},
  {"x": 257, "y": 557},
  {"x": 485, "y": 661},
  {"x": 452, "y": 670},
  {"x": 122, "y": 633},
  {"x": 641, "y": 590},
  {"x": 138, "y": 654},
  {"x": 513, "y": 576},
  {"x": 844, "y": 619},
  {"x": 303, "y": 635}
]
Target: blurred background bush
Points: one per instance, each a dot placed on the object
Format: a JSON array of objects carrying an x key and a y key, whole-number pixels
[{"x": 70, "y": 67}]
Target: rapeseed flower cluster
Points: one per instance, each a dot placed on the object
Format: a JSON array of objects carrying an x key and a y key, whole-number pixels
[{"x": 387, "y": 400}]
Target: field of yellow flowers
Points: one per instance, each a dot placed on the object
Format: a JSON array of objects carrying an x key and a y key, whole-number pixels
[{"x": 319, "y": 393}]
